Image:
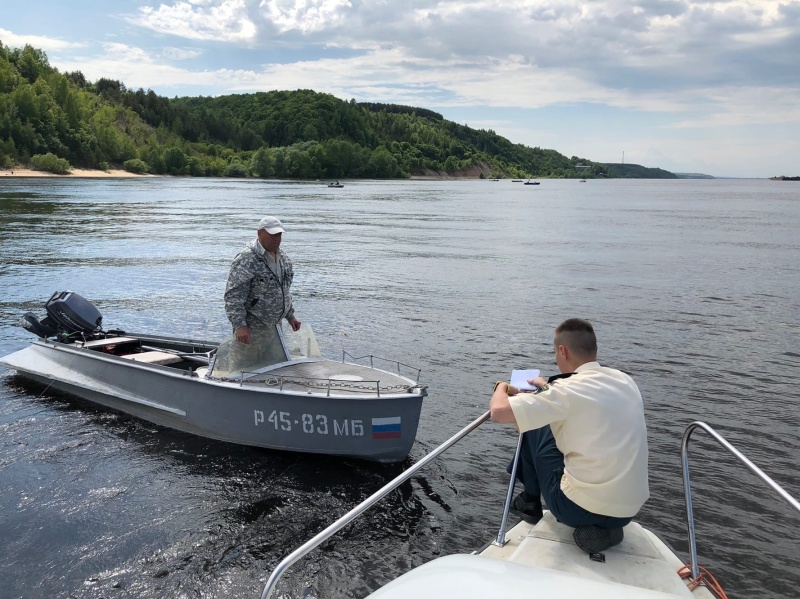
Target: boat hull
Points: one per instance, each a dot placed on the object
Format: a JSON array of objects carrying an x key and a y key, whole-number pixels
[{"x": 259, "y": 416}]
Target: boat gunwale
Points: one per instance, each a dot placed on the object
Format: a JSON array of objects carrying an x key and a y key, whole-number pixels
[
  {"x": 253, "y": 386},
  {"x": 214, "y": 344}
]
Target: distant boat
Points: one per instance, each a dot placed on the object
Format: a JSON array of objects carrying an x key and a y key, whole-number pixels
[
  {"x": 337, "y": 184},
  {"x": 529, "y": 182},
  {"x": 516, "y": 180},
  {"x": 582, "y": 181}
]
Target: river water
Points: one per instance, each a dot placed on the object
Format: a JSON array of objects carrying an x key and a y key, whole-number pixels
[{"x": 692, "y": 287}]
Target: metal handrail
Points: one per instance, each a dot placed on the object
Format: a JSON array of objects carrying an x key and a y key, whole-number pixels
[
  {"x": 322, "y": 383},
  {"x": 372, "y": 357},
  {"x": 500, "y": 541},
  {"x": 687, "y": 489},
  {"x": 310, "y": 545}
]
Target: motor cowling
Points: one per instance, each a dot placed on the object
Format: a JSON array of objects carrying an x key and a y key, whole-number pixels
[
  {"x": 73, "y": 313},
  {"x": 67, "y": 313}
]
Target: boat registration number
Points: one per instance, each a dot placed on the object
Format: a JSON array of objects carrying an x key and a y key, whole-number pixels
[{"x": 311, "y": 424}]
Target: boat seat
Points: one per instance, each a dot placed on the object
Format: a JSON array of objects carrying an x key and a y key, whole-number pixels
[
  {"x": 153, "y": 357},
  {"x": 107, "y": 342}
]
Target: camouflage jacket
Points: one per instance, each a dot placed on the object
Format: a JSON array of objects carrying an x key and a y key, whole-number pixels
[{"x": 254, "y": 296}]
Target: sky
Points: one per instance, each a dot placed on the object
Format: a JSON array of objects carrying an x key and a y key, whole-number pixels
[{"x": 688, "y": 86}]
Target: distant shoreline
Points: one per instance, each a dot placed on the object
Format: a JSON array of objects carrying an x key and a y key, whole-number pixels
[
  {"x": 83, "y": 173},
  {"x": 114, "y": 173},
  {"x": 76, "y": 173}
]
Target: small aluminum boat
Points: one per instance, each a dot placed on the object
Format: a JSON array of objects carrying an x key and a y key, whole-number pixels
[{"x": 278, "y": 392}]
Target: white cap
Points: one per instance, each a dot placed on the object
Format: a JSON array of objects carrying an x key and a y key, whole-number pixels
[{"x": 271, "y": 225}]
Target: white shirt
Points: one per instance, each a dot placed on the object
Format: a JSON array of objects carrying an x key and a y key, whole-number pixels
[{"x": 597, "y": 419}]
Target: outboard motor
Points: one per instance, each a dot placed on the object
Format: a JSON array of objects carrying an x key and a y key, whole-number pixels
[{"x": 68, "y": 313}]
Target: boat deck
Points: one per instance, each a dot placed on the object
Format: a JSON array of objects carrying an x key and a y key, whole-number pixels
[
  {"x": 641, "y": 560},
  {"x": 339, "y": 377}
]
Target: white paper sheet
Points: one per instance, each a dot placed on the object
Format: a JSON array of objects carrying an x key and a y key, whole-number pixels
[{"x": 519, "y": 379}]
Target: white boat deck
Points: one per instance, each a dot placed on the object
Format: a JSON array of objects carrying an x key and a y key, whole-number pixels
[
  {"x": 543, "y": 561},
  {"x": 641, "y": 560}
]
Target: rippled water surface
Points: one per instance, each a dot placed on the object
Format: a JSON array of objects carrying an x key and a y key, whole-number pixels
[{"x": 693, "y": 288}]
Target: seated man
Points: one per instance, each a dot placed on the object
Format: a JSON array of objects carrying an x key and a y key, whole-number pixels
[{"x": 585, "y": 444}]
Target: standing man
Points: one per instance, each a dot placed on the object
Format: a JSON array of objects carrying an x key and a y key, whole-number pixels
[
  {"x": 584, "y": 448},
  {"x": 257, "y": 294}
]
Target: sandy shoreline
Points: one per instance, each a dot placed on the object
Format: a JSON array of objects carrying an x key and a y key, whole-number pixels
[{"x": 75, "y": 173}]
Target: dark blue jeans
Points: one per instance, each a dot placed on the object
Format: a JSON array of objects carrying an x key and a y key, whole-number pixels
[{"x": 540, "y": 468}]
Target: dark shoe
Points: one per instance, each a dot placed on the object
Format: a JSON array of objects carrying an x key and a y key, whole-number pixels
[
  {"x": 528, "y": 507},
  {"x": 593, "y": 539}
]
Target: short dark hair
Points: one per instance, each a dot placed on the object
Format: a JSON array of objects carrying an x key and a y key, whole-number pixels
[{"x": 578, "y": 335}]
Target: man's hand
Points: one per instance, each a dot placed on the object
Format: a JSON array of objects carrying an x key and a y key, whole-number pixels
[
  {"x": 242, "y": 335},
  {"x": 539, "y": 382},
  {"x": 294, "y": 323}
]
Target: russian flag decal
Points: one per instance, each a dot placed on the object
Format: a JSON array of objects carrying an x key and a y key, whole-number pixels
[{"x": 386, "y": 428}]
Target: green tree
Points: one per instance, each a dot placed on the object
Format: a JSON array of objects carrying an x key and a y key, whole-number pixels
[
  {"x": 8, "y": 153},
  {"x": 382, "y": 165},
  {"x": 236, "y": 169},
  {"x": 31, "y": 63},
  {"x": 9, "y": 77},
  {"x": 262, "y": 164},
  {"x": 153, "y": 156},
  {"x": 297, "y": 163},
  {"x": 51, "y": 163},
  {"x": 175, "y": 161},
  {"x": 134, "y": 165}
]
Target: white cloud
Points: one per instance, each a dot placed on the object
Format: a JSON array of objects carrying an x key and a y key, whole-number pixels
[
  {"x": 138, "y": 68},
  {"x": 606, "y": 44},
  {"x": 180, "y": 53},
  {"x": 15, "y": 40},
  {"x": 225, "y": 21},
  {"x": 304, "y": 15},
  {"x": 396, "y": 77}
]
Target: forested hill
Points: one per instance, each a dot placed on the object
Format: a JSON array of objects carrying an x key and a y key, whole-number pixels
[
  {"x": 60, "y": 120},
  {"x": 637, "y": 171}
]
